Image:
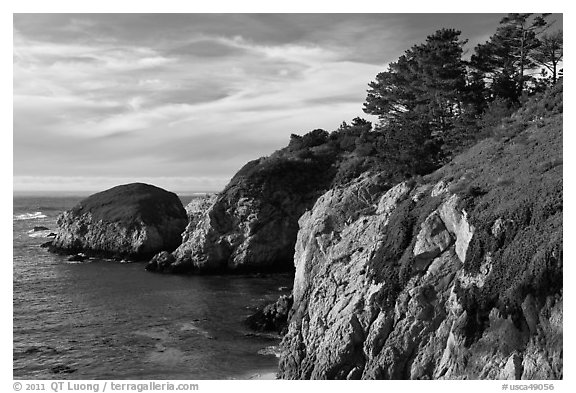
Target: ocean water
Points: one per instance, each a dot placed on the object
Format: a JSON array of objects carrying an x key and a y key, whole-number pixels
[{"x": 101, "y": 319}]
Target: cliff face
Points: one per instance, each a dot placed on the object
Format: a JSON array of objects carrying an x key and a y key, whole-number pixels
[
  {"x": 133, "y": 221},
  {"x": 195, "y": 210},
  {"x": 454, "y": 275}
]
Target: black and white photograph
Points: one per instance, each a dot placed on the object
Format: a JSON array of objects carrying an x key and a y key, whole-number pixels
[{"x": 287, "y": 196}]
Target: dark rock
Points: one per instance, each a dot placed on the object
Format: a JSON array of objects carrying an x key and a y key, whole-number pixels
[
  {"x": 39, "y": 229},
  {"x": 47, "y": 244},
  {"x": 52, "y": 234},
  {"x": 273, "y": 317},
  {"x": 132, "y": 221},
  {"x": 77, "y": 258},
  {"x": 161, "y": 262}
]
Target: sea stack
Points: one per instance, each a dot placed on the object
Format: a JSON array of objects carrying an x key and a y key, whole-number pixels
[{"x": 132, "y": 221}]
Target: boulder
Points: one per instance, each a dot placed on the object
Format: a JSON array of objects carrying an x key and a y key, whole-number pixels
[
  {"x": 132, "y": 221},
  {"x": 273, "y": 317},
  {"x": 161, "y": 262},
  {"x": 47, "y": 245},
  {"x": 503, "y": 229},
  {"x": 77, "y": 257},
  {"x": 432, "y": 240}
]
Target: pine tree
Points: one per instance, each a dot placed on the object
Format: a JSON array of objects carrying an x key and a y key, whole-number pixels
[
  {"x": 427, "y": 81},
  {"x": 418, "y": 100},
  {"x": 507, "y": 56},
  {"x": 443, "y": 76},
  {"x": 392, "y": 93},
  {"x": 550, "y": 52}
]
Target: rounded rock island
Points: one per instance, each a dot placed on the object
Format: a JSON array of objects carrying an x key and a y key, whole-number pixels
[{"x": 132, "y": 221}]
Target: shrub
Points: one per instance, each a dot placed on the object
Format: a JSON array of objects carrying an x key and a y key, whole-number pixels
[{"x": 492, "y": 118}]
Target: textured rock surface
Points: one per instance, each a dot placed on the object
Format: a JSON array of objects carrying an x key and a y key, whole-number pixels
[
  {"x": 195, "y": 210},
  {"x": 128, "y": 221},
  {"x": 453, "y": 279},
  {"x": 272, "y": 317}
]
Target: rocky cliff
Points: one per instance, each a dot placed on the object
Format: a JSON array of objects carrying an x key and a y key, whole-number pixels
[
  {"x": 252, "y": 224},
  {"x": 129, "y": 221},
  {"x": 195, "y": 209},
  {"x": 456, "y": 275}
]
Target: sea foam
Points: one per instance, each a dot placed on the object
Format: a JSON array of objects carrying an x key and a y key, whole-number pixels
[{"x": 28, "y": 216}]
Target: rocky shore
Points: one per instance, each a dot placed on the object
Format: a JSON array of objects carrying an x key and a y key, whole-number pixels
[
  {"x": 272, "y": 317},
  {"x": 453, "y": 275}
]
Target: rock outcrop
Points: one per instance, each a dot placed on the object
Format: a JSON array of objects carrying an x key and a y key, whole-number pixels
[
  {"x": 132, "y": 221},
  {"x": 195, "y": 210},
  {"x": 455, "y": 276},
  {"x": 272, "y": 317},
  {"x": 252, "y": 224}
]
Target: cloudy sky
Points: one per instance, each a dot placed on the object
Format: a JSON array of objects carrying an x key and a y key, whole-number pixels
[{"x": 184, "y": 100}]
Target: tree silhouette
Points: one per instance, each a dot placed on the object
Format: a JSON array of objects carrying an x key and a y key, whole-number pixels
[
  {"x": 427, "y": 81},
  {"x": 507, "y": 56},
  {"x": 550, "y": 53}
]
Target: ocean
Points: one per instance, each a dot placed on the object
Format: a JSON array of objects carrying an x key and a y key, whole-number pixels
[{"x": 100, "y": 319}]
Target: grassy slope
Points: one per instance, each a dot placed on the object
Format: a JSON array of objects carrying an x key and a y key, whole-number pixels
[{"x": 516, "y": 176}]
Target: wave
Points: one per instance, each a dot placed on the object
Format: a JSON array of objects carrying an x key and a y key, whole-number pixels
[
  {"x": 39, "y": 234},
  {"x": 28, "y": 216},
  {"x": 43, "y": 234},
  {"x": 271, "y": 350}
]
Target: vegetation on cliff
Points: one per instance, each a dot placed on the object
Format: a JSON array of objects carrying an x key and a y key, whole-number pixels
[
  {"x": 457, "y": 271},
  {"x": 456, "y": 274},
  {"x": 130, "y": 203},
  {"x": 432, "y": 104}
]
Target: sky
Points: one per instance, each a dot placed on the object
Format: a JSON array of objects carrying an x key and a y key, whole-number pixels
[{"x": 183, "y": 101}]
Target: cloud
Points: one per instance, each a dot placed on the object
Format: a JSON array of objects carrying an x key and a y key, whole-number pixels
[
  {"x": 199, "y": 107},
  {"x": 192, "y": 96},
  {"x": 207, "y": 48}
]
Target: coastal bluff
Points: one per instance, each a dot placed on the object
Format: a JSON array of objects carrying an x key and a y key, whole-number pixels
[
  {"x": 132, "y": 221},
  {"x": 453, "y": 275},
  {"x": 251, "y": 225}
]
